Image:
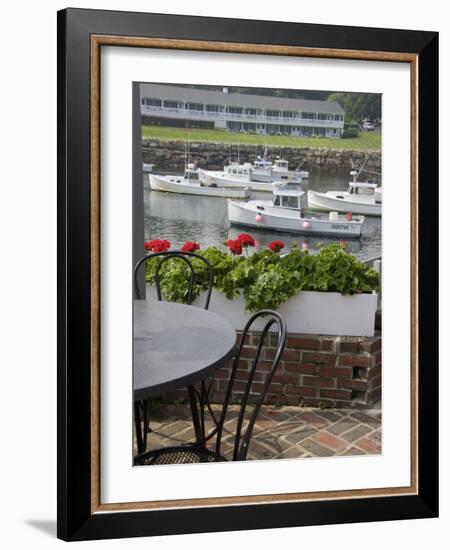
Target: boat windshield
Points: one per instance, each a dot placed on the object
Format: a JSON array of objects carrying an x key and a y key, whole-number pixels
[
  {"x": 281, "y": 164},
  {"x": 360, "y": 190},
  {"x": 191, "y": 175},
  {"x": 287, "y": 201}
]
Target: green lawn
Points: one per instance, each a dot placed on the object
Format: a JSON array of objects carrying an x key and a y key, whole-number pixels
[{"x": 366, "y": 141}]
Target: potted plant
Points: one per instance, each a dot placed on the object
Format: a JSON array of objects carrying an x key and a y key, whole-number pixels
[{"x": 330, "y": 292}]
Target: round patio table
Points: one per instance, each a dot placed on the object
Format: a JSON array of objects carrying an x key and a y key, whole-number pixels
[{"x": 175, "y": 346}]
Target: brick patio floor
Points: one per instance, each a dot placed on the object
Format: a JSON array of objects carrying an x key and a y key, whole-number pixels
[{"x": 280, "y": 432}]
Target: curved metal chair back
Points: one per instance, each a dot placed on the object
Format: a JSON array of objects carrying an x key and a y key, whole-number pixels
[
  {"x": 242, "y": 437},
  {"x": 166, "y": 256}
]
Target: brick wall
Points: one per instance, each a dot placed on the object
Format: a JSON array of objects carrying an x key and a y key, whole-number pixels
[{"x": 315, "y": 370}]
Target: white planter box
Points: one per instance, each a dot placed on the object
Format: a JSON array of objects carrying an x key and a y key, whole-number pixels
[{"x": 309, "y": 312}]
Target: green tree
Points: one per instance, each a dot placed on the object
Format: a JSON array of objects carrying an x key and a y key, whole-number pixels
[{"x": 358, "y": 106}]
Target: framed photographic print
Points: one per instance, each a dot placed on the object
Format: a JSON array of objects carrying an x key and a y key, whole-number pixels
[{"x": 247, "y": 274}]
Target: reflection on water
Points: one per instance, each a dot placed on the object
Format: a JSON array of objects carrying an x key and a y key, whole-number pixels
[{"x": 179, "y": 218}]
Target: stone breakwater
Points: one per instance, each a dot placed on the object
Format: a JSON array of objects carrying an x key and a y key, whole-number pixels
[{"x": 169, "y": 156}]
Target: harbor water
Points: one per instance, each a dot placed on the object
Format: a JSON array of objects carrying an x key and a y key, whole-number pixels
[{"x": 180, "y": 218}]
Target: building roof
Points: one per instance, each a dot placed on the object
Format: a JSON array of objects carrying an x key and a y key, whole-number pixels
[{"x": 198, "y": 95}]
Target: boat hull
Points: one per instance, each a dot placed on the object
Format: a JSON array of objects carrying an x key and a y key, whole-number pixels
[
  {"x": 224, "y": 180},
  {"x": 323, "y": 201},
  {"x": 172, "y": 184},
  {"x": 281, "y": 219}
]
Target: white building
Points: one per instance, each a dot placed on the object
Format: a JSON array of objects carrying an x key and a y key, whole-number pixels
[{"x": 194, "y": 107}]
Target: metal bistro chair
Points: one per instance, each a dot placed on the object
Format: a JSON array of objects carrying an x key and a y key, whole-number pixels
[
  {"x": 199, "y": 452},
  {"x": 142, "y": 408}
]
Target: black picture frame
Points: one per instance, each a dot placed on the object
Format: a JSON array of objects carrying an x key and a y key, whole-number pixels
[{"x": 76, "y": 518}]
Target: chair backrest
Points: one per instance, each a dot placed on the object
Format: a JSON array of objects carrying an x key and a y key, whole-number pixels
[
  {"x": 181, "y": 256},
  {"x": 242, "y": 436}
]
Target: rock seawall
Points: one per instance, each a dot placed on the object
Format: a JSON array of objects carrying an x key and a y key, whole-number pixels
[{"x": 169, "y": 156}]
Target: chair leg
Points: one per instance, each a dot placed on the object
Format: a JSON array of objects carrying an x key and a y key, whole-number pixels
[
  {"x": 199, "y": 435},
  {"x": 147, "y": 424},
  {"x": 138, "y": 428}
]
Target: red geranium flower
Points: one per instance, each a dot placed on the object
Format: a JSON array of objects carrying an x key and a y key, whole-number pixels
[
  {"x": 235, "y": 247},
  {"x": 246, "y": 240},
  {"x": 276, "y": 246},
  {"x": 150, "y": 244},
  {"x": 190, "y": 246},
  {"x": 157, "y": 245}
]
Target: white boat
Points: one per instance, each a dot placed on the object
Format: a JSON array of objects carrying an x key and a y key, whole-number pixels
[
  {"x": 189, "y": 184},
  {"x": 286, "y": 212},
  {"x": 360, "y": 198},
  {"x": 259, "y": 176},
  {"x": 147, "y": 168}
]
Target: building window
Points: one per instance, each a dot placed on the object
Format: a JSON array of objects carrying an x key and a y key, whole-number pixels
[
  {"x": 194, "y": 106},
  {"x": 273, "y": 113},
  {"x": 235, "y": 110},
  {"x": 153, "y": 102},
  {"x": 338, "y": 117},
  {"x": 170, "y": 104},
  {"x": 212, "y": 108},
  {"x": 321, "y": 116},
  {"x": 309, "y": 116},
  {"x": 250, "y": 112},
  {"x": 290, "y": 114}
]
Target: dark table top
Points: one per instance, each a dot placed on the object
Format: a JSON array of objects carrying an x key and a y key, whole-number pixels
[{"x": 176, "y": 345}]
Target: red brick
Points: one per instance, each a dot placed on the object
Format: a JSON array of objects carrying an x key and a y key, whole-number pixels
[
  {"x": 222, "y": 385},
  {"x": 371, "y": 346},
  {"x": 240, "y": 386},
  {"x": 330, "y": 441},
  {"x": 222, "y": 374},
  {"x": 300, "y": 368},
  {"x": 355, "y": 360},
  {"x": 319, "y": 358},
  {"x": 329, "y": 344},
  {"x": 336, "y": 394},
  {"x": 265, "y": 366},
  {"x": 288, "y": 355},
  {"x": 318, "y": 382},
  {"x": 248, "y": 352},
  {"x": 243, "y": 376},
  {"x": 336, "y": 372},
  {"x": 218, "y": 397},
  {"x": 353, "y": 384},
  {"x": 306, "y": 391},
  {"x": 376, "y": 381},
  {"x": 276, "y": 388},
  {"x": 373, "y": 372},
  {"x": 378, "y": 358},
  {"x": 374, "y": 395},
  {"x": 248, "y": 339},
  {"x": 285, "y": 378},
  {"x": 348, "y": 347},
  {"x": 283, "y": 400},
  {"x": 370, "y": 447},
  {"x": 316, "y": 402},
  {"x": 303, "y": 343}
]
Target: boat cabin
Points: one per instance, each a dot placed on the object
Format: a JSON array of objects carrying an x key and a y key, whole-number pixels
[
  {"x": 238, "y": 169},
  {"x": 191, "y": 173},
  {"x": 281, "y": 165},
  {"x": 290, "y": 198},
  {"x": 365, "y": 189}
]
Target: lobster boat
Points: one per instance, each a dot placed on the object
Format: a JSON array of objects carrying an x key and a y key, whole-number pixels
[
  {"x": 190, "y": 184},
  {"x": 287, "y": 212}
]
